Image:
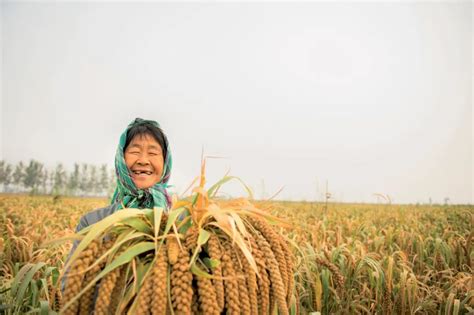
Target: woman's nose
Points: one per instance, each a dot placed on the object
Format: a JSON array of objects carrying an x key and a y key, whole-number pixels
[{"x": 142, "y": 161}]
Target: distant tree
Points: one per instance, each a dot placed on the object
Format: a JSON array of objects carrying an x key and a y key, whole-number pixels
[
  {"x": 51, "y": 181},
  {"x": 93, "y": 181},
  {"x": 73, "y": 182},
  {"x": 84, "y": 179},
  {"x": 18, "y": 176},
  {"x": 59, "y": 180},
  {"x": 7, "y": 177},
  {"x": 39, "y": 185},
  {"x": 33, "y": 173},
  {"x": 112, "y": 182},
  {"x": 104, "y": 180},
  {"x": 2, "y": 171},
  {"x": 44, "y": 181}
]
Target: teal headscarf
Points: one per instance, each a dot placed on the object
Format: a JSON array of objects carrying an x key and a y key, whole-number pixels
[{"x": 126, "y": 193}]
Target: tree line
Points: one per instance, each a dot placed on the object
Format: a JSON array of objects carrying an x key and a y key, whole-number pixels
[{"x": 33, "y": 177}]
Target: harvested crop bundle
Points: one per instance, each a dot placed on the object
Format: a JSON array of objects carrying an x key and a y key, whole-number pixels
[{"x": 204, "y": 256}]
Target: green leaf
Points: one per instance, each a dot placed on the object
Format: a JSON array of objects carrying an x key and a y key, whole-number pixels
[
  {"x": 173, "y": 215},
  {"x": 44, "y": 285},
  {"x": 449, "y": 302},
  {"x": 44, "y": 307},
  {"x": 213, "y": 190},
  {"x": 203, "y": 237},
  {"x": 326, "y": 286},
  {"x": 130, "y": 293},
  {"x": 148, "y": 214},
  {"x": 19, "y": 277},
  {"x": 128, "y": 255},
  {"x": 142, "y": 271},
  {"x": 139, "y": 225},
  {"x": 157, "y": 214},
  {"x": 26, "y": 281},
  {"x": 122, "y": 239},
  {"x": 211, "y": 263},
  {"x": 456, "y": 307},
  {"x": 184, "y": 227},
  {"x": 54, "y": 274},
  {"x": 199, "y": 272},
  {"x": 293, "y": 306},
  {"x": 34, "y": 293},
  {"x": 100, "y": 228}
]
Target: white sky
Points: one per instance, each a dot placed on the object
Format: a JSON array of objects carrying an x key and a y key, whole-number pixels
[{"x": 373, "y": 97}]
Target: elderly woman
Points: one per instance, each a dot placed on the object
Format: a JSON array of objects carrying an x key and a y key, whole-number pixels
[{"x": 143, "y": 167}]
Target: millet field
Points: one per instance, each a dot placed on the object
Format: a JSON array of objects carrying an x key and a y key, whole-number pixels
[{"x": 344, "y": 258}]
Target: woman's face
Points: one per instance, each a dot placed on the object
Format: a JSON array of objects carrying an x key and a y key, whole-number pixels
[{"x": 144, "y": 159}]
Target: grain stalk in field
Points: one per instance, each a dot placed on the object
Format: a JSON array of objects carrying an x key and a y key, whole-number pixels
[
  {"x": 278, "y": 288},
  {"x": 76, "y": 275},
  {"x": 160, "y": 274},
  {"x": 231, "y": 286},
  {"x": 215, "y": 253},
  {"x": 262, "y": 279},
  {"x": 87, "y": 298},
  {"x": 107, "y": 287},
  {"x": 241, "y": 281},
  {"x": 181, "y": 284}
]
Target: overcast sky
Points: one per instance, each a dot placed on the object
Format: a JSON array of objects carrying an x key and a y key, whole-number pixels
[{"x": 372, "y": 97}]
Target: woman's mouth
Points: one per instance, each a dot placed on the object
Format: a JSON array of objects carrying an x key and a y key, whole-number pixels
[{"x": 142, "y": 173}]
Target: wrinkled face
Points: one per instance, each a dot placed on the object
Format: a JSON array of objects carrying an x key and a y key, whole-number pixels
[{"x": 144, "y": 159}]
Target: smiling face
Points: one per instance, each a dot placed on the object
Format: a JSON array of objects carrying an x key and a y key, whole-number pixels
[{"x": 144, "y": 159}]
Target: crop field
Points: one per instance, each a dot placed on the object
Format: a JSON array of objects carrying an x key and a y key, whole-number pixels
[{"x": 348, "y": 258}]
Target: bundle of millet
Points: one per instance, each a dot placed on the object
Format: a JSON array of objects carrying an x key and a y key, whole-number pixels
[{"x": 202, "y": 256}]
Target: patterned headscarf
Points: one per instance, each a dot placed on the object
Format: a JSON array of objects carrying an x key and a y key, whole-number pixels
[{"x": 126, "y": 193}]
